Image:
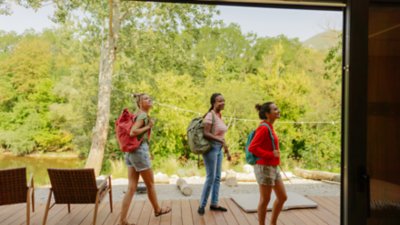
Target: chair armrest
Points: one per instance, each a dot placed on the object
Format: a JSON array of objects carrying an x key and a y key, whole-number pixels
[
  {"x": 104, "y": 181},
  {"x": 30, "y": 182}
]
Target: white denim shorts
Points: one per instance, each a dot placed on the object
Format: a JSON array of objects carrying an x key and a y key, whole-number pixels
[
  {"x": 267, "y": 175},
  {"x": 139, "y": 159}
]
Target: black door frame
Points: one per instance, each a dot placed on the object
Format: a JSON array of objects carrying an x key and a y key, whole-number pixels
[{"x": 354, "y": 184}]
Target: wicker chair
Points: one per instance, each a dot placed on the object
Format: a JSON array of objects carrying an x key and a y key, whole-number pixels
[
  {"x": 14, "y": 189},
  {"x": 77, "y": 186}
]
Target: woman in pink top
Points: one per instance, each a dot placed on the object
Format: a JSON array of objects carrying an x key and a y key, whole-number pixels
[{"x": 214, "y": 131}]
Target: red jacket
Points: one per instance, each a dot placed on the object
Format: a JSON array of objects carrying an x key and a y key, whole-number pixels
[{"x": 261, "y": 146}]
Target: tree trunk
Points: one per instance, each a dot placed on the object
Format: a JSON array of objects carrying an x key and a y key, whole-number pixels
[
  {"x": 107, "y": 58},
  {"x": 317, "y": 175}
]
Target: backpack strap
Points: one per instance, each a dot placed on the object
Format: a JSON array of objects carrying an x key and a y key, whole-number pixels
[
  {"x": 270, "y": 134},
  {"x": 212, "y": 121}
]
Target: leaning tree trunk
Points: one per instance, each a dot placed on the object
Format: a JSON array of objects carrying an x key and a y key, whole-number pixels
[{"x": 107, "y": 58}]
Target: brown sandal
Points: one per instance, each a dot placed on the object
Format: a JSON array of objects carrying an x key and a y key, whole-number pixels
[{"x": 162, "y": 211}]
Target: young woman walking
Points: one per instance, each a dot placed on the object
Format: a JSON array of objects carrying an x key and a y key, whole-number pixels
[
  {"x": 138, "y": 161},
  {"x": 265, "y": 145}
]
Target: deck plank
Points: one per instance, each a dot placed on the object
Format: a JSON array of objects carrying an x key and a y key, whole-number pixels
[
  {"x": 146, "y": 213},
  {"x": 237, "y": 212},
  {"x": 323, "y": 213},
  {"x": 78, "y": 213},
  {"x": 176, "y": 213},
  {"x": 112, "y": 218},
  {"x": 36, "y": 217},
  {"x": 184, "y": 212},
  {"x": 135, "y": 211},
  {"x": 13, "y": 218},
  {"x": 229, "y": 218},
  {"x": 56, "y": 213},
  {"x": 102, "y": 213},
  {"x": 8, "y": 210},
  {"x": 166, "y": 219},
  {"x": 197, "y": 219},
  {"x": 187, "y": 217}
]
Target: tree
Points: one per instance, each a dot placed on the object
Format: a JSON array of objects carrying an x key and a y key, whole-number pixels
[
  {"x": 107, "y": 59},
  {"x": 121, "y": 16}
]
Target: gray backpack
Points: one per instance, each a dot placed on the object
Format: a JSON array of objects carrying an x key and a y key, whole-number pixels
[{"x": 195, "y": 133}]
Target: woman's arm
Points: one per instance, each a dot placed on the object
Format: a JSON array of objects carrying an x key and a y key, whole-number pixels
[
  {"x": 210, "y": 136},
  {"x": 256, "y": 146}
]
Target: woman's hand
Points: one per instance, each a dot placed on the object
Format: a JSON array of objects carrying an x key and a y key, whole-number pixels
[
  {"x": 276, "y": 153},
  {"x": 151, "y": 123},
  {"x": 226, "y": 150}
]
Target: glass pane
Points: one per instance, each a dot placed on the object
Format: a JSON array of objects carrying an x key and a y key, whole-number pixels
[{"x": 384, "y": 114}]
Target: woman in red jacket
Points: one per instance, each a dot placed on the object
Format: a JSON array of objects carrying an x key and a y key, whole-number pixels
[{"x": 266, "y": 169}]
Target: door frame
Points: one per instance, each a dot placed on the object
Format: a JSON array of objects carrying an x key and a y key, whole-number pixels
[{"x": 354, "y": 203}]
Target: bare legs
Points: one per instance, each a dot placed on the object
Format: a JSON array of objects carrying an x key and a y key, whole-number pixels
[
  {"x": 265, "y": 196},
  {"x": 133, "y": 178},
  {"x": 281, "y": 198},
  {"x": 148, "y": 178}
]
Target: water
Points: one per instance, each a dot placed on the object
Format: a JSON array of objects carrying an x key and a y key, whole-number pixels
[{"x": 37, "y": 165}]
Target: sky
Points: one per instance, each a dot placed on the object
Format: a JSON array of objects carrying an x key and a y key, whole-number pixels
[{"x": 270, "y": 22}]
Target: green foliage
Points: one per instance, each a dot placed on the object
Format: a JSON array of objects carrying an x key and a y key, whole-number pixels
[{"x": 180, "y": 56}]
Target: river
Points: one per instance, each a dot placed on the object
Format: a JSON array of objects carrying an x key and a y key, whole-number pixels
[{"x": 37, "y": 165}]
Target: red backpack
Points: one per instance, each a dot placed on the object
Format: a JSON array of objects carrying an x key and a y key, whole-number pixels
[{"x": 123, "y": 126}]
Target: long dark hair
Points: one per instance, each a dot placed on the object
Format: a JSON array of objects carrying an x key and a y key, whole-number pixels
[
  {"x": 212, "y": 101},
  {"x": 264, "y": 108}
]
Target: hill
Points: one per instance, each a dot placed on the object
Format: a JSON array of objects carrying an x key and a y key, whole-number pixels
[{"x": 323, "y": 41}]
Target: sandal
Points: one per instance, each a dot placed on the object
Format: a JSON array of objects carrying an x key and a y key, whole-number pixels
[{"x": 162, "y": 211}]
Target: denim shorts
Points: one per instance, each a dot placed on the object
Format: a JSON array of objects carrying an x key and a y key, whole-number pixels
[
  {"x": 139, "y": 159},
  {"x": 267, "y": 175}
]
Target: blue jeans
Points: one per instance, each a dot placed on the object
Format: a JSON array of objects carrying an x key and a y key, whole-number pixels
[{"x": 213, "y": 162}]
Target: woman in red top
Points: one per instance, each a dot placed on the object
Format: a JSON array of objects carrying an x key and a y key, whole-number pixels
[{"x": 266, "y": 167}]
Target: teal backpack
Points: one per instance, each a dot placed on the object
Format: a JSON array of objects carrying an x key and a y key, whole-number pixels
[{"x": 250, "y": 157}]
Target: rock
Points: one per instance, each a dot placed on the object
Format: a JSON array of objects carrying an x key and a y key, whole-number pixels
[
  {"x": 223, "y": 176},
  {"x": 246, "y": 177},
  {"x": 248, "y": 168},
  {"x": 184, "y": 187},
  {"x": 161, "y": 178},
  {"x": 173, "y": 178},
  {"x": 230, "y": 179}
]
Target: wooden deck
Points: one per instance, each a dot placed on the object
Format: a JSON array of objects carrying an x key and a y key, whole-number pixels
[{"x": 184, "y": 212}]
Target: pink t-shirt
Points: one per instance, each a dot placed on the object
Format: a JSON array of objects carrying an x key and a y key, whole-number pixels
[{"x": 218, "y": 128}]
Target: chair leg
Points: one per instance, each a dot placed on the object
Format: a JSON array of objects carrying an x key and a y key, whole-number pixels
[
  {"x": 28, "y": 216},
  {"x": 28, "y": 205},
  {"x": 46, "y": 212},
  {"x": 69, "y": 208},
  {"x": 110, "y": 193},
  {"x": 111, "y": 202},
  {"x": 33, "y": 200},
  {"x": 95, "y": 209}
]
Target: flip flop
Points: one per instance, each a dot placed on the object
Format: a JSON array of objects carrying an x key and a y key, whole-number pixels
[{"x": 162, "y": 211}]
